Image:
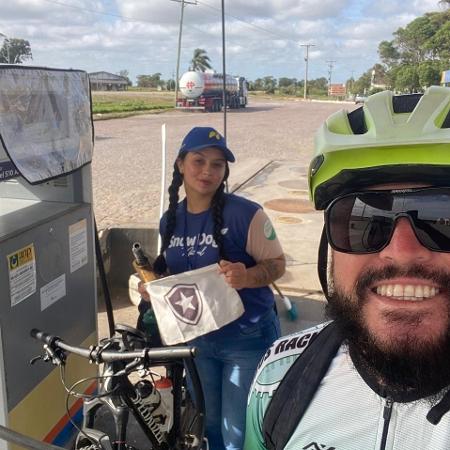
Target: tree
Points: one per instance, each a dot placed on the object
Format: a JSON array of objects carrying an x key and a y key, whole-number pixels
[
  {"x": 125, "y": 74},
  {"x": 269, "y": 84},
  {"x": 319, "y": 86},
  {"x": 441, "y": 42},
  {"x": 200, "y": 61},
  {"x": 257, "y": 85},
  {"x": 429, "y": 73},
  {"x": 15, "y": 51},
  {"x": 388, "y": 53},
  {"x": 418, "y": 53},
  {"x": 362, "y": 84},
  {"x": 407, "y": 79},
  {"x": 152, "y": 81},
  {"x": 170, "y": 84}
]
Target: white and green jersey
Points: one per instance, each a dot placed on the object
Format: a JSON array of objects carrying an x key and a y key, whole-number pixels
[{"x": 345, "y": 413}]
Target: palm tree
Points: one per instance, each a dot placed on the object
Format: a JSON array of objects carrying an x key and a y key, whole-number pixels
[{"x": 200, "y": 61}]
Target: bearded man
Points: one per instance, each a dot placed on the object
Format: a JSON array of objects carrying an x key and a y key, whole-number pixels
[{"x": 377, "y": 375}]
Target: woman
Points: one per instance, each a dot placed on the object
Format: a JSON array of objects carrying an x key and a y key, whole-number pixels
[{"x": 210, "y": 226}]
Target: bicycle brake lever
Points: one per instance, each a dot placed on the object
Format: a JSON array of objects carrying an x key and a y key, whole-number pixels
[
  {"x": 36, "y": 359},
  {"x": 129, "y": 367},
  {"x": 58, "y": 358}
]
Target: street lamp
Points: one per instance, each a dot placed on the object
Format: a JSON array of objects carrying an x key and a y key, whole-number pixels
[{"x": 6, "y": 46}]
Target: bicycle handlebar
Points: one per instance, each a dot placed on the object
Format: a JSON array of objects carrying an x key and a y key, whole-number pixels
[{"x": 97, "y": 355}]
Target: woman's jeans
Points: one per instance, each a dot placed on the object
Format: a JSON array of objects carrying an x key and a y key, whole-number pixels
[{"x": 226, "y": 367}]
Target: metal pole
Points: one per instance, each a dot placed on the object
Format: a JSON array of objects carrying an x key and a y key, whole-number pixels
[
  {"x": 306, "y": 72},
  {"x": 163, "y": 178},
  {"x": 25, "y": 441},
  {"x": 306, "y": 67},
  {"x": 224, "y": 95},
  {"x": 330, "y": 71},
  {"x": 178, "y": 53},
  {"x": 183, "y": 3}
]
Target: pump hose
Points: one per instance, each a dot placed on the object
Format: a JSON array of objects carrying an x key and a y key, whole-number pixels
[{"x": 102, "y": 273}]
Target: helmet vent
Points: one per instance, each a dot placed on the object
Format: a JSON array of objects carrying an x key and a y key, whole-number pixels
[
  {"x": 446, "y": 123},
  {"x": 357, "y": 122},
  {"x": 405, "y": 103}
]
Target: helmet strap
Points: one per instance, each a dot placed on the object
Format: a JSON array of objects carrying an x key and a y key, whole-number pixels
[{"x": 322, "y": 262}]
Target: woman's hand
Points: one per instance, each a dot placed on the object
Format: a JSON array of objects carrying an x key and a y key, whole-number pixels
[
  {"x": 235, "y": 273},
  {"x": 143, "y": 291},
  {"x": 264, "y": 273}
]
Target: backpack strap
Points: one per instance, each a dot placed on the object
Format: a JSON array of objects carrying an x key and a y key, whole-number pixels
[{"x": 298, "y": 387}]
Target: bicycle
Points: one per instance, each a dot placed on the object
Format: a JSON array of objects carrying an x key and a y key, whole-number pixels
[{"x": 126, "y": 353}]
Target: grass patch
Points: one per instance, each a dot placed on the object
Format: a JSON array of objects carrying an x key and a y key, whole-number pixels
[
  {"x": 113, "y": 107},
  {"x": 129, "y": 102}
]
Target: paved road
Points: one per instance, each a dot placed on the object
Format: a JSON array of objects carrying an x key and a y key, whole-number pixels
[
  {"x": 127, "y": 158},
  {"x": 126, "y": 176}
]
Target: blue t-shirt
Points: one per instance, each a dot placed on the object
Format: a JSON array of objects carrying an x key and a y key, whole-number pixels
[{"x": 192, "y": 246}]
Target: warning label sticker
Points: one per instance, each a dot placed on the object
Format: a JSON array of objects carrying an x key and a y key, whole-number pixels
[
  {"x": 78, "y": 245},
  {"x": 22, "y": 274}
]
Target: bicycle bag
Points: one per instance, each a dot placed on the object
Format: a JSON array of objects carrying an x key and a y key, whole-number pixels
[{"x": 296, "y": 390}]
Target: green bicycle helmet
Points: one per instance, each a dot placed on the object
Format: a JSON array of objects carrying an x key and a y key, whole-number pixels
[{"x": 389, "y": 139}]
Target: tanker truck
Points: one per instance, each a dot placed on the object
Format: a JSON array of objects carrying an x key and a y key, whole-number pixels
[{"x": 204, "y": 91}]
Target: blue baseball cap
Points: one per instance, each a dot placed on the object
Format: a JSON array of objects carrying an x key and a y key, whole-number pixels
[{"x": 204, "y": 137}]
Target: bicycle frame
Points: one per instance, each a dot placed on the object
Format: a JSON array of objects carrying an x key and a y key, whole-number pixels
[{"x": 120, "y": 396}]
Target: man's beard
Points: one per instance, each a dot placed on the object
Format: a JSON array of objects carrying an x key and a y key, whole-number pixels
[{"x": 409, "y": 366}]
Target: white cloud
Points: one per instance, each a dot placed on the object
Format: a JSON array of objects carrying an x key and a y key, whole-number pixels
[{"x": 263, "y": 36}]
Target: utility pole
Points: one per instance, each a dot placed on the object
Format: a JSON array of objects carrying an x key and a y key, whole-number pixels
[
  {"x": 330, "y": 71},
  {"x": 306, "y": 66},
  {"x": 183, "y": 2},
  {"x": 224, "y": 87}
]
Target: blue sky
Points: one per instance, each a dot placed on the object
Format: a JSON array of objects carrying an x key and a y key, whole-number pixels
[{"x": 263, "y": 37}]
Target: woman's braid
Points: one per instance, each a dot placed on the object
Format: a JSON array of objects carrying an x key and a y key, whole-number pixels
[
  {"x": 160, "y": 265},
  {"x": 217, "y": 204}
]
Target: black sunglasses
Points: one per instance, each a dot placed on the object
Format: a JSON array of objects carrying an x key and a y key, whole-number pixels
[{"x": 363, "y": 222}]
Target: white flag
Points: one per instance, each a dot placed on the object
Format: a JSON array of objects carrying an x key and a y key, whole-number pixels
[{"x": 193, "y": 303}]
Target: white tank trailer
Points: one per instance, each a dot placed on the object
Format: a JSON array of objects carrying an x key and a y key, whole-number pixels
[{"x": 204, "y": 91}]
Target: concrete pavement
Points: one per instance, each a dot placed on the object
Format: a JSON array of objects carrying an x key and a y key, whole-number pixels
[{"x": 281, "y": 188}]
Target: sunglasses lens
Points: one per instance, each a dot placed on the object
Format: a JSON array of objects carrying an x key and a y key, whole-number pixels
[
  {"x": 356, "y": 225},
  {"x": 431, "y": 218},
  {"x": 364, "y": 222}
]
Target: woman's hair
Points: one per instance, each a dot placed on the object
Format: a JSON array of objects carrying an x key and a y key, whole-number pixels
[{"x": 217, "y": 204}]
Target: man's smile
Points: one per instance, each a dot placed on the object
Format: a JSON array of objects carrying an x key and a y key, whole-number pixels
[{"x": 412, "y": 292}]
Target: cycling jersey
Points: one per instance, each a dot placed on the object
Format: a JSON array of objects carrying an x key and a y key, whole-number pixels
[{"x": 345, "y": 413}]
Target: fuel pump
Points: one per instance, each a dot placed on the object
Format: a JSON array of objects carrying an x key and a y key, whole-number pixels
[{"x": 47, "y": 255}]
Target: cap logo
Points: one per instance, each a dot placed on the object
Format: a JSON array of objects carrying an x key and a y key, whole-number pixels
[{"x": 214, "y": 134}]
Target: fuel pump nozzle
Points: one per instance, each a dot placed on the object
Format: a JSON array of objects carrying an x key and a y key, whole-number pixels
[{"x": 142, "y": 264}]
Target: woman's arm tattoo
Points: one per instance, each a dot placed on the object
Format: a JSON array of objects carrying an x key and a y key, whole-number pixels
[{"x": 266, "y": 272}]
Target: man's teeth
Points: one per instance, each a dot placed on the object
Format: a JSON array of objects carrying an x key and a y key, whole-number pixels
[{"x": 407, "y": 291}]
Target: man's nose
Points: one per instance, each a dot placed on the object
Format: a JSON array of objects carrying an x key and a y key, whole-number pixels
[{"x": 404, "y": 246}]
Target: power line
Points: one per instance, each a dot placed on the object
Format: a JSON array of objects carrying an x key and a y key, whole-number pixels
[
  {"x": 94, "y": 11},
  {"x": 257, "y": 27},
  {"x": 133, "y": 19}
]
